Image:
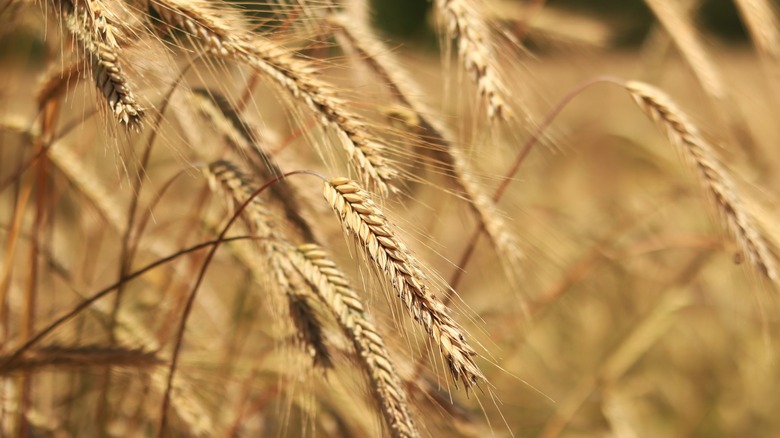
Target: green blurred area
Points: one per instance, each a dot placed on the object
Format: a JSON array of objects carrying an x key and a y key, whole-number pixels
[{"x": 407, "y": 19}]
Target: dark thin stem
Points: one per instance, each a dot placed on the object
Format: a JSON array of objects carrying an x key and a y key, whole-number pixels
[{"x": 129, "y": 240}]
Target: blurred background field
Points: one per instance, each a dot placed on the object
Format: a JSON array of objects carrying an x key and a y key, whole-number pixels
[{"x": 634, "y": 315}]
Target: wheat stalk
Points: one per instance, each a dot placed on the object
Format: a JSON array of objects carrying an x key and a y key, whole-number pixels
[
  {"x": 361, "y": 217},
  {"x": 93, "y": 25},
  {"x": 82, "y": 357},
  {"x": 713, "y": 176},
  {"x": 467, "y": 24},
  {"x": 364, "y": 150},
  {"x": 334, "y": 290},
  {"x": 762, "y": 22},
  {"x": 58, "y": 80}
]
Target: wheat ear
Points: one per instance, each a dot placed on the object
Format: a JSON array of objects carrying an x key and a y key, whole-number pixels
[
  {"x": 335, "y": 292},
  {"x": 95, "y": 29},
  {"x": 275, "y": 249},
  {"x": 467, "y": 24},
  {"x": 713, "y": 176},
  {"x": 361, "y": 217},
  {"x": 296, "y": 77},
  {"x": 379, "y": 58}
]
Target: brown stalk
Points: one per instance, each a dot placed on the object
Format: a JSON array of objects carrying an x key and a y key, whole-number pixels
[{"x": 60, "y": 358}]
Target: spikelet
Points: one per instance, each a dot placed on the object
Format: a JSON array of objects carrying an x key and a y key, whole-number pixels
[{"x": 336, "y": 293}]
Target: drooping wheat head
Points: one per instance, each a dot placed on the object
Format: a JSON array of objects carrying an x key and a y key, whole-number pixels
[
  {"x": 333, "y": 287},
  {"x": 363, "y": 219},
  {"x": 466, "y": 24},
  {"x": 95, "y": 28},
  {"x": 713, "y": 176}
]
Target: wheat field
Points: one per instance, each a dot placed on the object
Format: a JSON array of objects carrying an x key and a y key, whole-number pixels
[{"x": 291, "y": 218}]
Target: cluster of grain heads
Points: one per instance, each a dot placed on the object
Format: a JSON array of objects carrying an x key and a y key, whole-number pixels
[
  {"x": 713, "y": 176},
  {"x": 307, "y": 275},
  {"x": 363, "y": 219},
  {"x": 206, "y": 27}
]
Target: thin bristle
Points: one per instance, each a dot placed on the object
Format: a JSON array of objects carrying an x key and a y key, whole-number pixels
[
  {"x": 362, "y": 218},
  {"x": 713, "y": 176}
]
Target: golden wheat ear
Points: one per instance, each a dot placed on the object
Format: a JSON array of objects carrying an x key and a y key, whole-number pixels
[
  {"x": 363, "y": 219},
  {"x": 99, "y": 35},
  {"x": 336, "y": 293},
  {"x": 467, "y": 24},
  {"x": 714, "y": 178}
]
